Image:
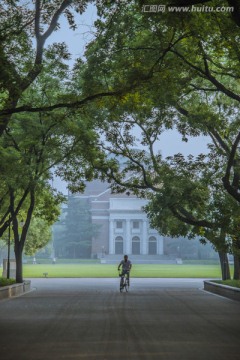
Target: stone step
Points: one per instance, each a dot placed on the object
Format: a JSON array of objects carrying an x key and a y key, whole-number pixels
[
  {"x": 140, "y": 259},
  {"x": 107, "y": 261}
]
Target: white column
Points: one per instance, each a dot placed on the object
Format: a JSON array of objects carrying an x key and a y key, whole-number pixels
[
  {"x": 111, "y": 237},
  {"x": 159, "y": 245},
  {"x": 128, "y": 239},
  {"x": 144, "y": 238}
]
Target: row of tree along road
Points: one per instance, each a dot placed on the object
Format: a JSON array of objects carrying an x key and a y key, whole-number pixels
[{"x": 142, "y": 74}]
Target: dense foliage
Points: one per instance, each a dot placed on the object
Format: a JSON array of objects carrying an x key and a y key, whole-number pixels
[
  {"x": 144, "y": 73},
  {"x": 186, "y": 78}
]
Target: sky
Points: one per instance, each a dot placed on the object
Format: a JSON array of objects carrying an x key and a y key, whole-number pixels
[
  {"x": 78, "y": 39},
  {"x": 170, "y": 141}
]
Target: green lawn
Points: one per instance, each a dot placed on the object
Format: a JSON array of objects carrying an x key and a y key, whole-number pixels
[
  {"x": 6, "y": 282},
  {"x": 103, "y": 270},
  {"x": 233, "y": 283}
]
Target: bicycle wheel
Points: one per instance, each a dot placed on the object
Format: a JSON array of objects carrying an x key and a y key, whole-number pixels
[
  {"x": 121, "y": 285},
  {"x": 125, "y": 284}
]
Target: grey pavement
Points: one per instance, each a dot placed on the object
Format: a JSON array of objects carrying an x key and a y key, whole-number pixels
[{"x": 169, "y": 319}]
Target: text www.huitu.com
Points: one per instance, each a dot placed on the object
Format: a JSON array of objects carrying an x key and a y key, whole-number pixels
[{"x": 186, "y": 9}]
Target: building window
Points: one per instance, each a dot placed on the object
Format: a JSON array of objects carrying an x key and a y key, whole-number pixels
[
  {"x": 152, "y": 245},
  {"x": 119, "y": 224},
  {"x": 136, "y": 224},
  {"x": 136, "y": 245},
  {"x": 119, "y": 245}
]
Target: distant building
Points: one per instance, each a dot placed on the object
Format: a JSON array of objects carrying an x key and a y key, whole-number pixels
[{"x": 123, "y": 226}]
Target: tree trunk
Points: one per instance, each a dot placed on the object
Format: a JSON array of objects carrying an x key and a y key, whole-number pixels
[
  {"x": 19, "y": 269},
  {"x": 18, "y": 249},
  {"x": 19, "y": 241},
  {"x": 236, "y": 275},
  {"x": 224, "y": 266}
]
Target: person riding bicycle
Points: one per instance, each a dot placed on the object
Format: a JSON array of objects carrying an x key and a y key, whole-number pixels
[{"x": 126, "y": 267}]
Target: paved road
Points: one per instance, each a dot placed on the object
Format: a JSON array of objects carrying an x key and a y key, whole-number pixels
[{"x": 165, "y": 319}]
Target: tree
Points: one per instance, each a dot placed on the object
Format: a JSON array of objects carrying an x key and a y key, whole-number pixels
[
  {"x": 180, "y": 205},
  {"x": 23, "y": 51},
  {"x": 188, "y": 75},
  {"x": 189, "y": 71},
  {"x": 40, "y": 21},
  {"x": 31, "y": 149},
  {"x": 38, "y": 236},
  {"x": 233, "y": 5},
  {"x": 168, "y": 221},
  {"x": 76, "y": 237}
]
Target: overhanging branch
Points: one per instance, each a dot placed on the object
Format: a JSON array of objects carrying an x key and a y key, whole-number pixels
[
  {"x": 187, "y": 218},
  {"x": 71, "y": 105},
  {"x": 232, "y": 189}
]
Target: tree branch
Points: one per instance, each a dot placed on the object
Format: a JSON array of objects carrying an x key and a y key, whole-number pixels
[
  {"x": 28, "y": 218},
  {"x": 202, "y": 88},
  {"x": 74, "y": 104},
  {"x": 187, "y": 218},
  {"x": 231, "y": 189},
  {"x": 55, "y": 18},
  {"x": 216, "y": 137},
  {"x": 37, "y": 19},
  {"x": 207, "y": 75},
  {"x": 37, "y": 66},
  {"x": 236, "y": 13},
  {"x": 220, "y": 140}
]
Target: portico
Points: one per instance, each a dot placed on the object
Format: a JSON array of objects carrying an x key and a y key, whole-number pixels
[
  {"x": 122, "y": 225},
  {"x": 129, "y": 230}
]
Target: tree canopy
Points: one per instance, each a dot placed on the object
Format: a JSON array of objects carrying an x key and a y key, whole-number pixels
[
  {"x": 144, "y": 73},
  {"x": 34, "y": 147},
  {"x": 187, "y": 78}
]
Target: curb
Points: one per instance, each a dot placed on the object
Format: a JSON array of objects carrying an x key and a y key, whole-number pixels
[
  {"x": 15, "y": 290},
  {"x": 222, "y": 290}
]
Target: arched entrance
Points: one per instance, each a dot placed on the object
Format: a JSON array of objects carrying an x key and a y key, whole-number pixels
[
  {"x": 136, "y": 245},
  {"x": 119, "y": 245},
  {"x": 152, "y": 245}
]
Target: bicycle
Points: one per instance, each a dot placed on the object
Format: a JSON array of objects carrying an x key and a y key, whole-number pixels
[{"x": 124, "y": 281}]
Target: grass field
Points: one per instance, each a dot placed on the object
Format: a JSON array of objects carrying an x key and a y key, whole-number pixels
[
  {"x": 104, "y": 270},
  {"x": 233, "y": 283}
]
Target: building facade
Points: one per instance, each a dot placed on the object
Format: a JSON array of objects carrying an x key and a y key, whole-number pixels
[{"x": 123, "y": 227}]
